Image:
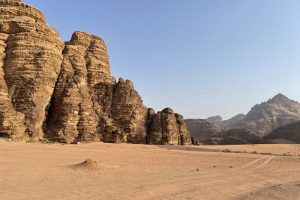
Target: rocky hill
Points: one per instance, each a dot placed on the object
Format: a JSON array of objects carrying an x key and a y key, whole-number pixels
[
  {"x": 224, "y": 123},
  {"x": 260, "y": 121},
  {"x": 232, "y": 120},
  {"x": 286, "y": 134},
  {"x": 216, "y": 120},
  {"x": 267, "y": 116},
  {"x": 202, "y": 129},
  {"x": 64, "y": 91},
  {"x": 233, "y": 137}
]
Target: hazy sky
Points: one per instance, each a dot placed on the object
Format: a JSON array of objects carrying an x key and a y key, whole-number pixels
[{"x": 200, "y": 57}]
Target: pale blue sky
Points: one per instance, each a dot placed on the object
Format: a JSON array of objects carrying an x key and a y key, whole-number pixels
[{"x": 200, "y": 57}]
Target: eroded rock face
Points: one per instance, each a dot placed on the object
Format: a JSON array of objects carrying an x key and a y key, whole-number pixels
[
  {"x": 289, "y": 133},
  {"x": 234, "y": 137},
  {"x": 167, "y": 127},
  {"x": 32, "y": 57},
  {"x": 202, "y": 129},
  {"x": 88, "y": 104},
  {"x": 11, "y": 121},
  {"x": 65, "y": 91}
]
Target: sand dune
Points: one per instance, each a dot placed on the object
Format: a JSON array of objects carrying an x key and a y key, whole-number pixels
[{"x": 124, "y": 171}]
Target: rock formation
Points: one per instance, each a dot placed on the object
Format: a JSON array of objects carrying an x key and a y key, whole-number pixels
[
  {"x": 31, "y": 61},
  {"x": 261, "y": 120},
  {"x": 215, "y": 119},
  {"x": 233, "y": 137},
  {"x": 286, "y": 134},
  {"x": 267, "y": 116},
  {"x": 65, "y": 92},
  {"x": 167, "y": 127},
  {"x": 202, "y": 129},
  {"x": 232, "y": 120}
]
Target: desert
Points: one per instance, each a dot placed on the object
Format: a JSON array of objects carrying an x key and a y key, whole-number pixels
[
  {"x": 72, "y": 128},
  {"x": 129, "y": 171}
]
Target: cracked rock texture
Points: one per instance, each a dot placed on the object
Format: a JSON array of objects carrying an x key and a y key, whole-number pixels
[
  {"x": 167, "y": 127},
  {"x": 64, "y": 91}
]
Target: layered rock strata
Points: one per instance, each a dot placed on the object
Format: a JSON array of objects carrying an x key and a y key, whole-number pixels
[
  {"x": 167, "y": 127},
  {"x": 65, "y": 91},
  {"x": 31, "y": 63}
]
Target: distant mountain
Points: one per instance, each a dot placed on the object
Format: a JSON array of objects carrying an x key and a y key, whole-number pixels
[
  {"x": 215, "y": 119},
  {"x": 286, "y": 134},
  {"x": 234, "y": 119},
  {"x": 233, "y": 137},
  {"x": 261, "y": 120},
  {"x": 201, "y": 129},
  {"x": 265, "y": 117}
]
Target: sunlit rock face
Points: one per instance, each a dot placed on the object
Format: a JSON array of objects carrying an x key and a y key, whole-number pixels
[
  {"x": 167, "y": 127},
  {"x": 31, "y": 54},
  {"x": 64, "y": 91}
]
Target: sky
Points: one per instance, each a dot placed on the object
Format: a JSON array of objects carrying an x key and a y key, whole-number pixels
[{"x": 200, "y": 57}]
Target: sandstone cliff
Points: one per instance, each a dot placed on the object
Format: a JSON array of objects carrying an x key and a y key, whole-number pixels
[{"x": 64, "y": 91}]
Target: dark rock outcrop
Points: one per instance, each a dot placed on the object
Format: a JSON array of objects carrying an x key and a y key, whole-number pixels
[
  {"x": 232, "y": 120},
  {"x": 167, "y": 127},
  {"x": 216, "y": 120},
  {"x": 201, "y": 129},
  {"x": 289, "y": 133},
  {"x": 234, "y": 137},
  {"x": 65, "y": 91}
]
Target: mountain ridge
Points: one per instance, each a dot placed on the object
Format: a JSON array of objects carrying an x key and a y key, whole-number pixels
[{"x": 262, "y": 118}]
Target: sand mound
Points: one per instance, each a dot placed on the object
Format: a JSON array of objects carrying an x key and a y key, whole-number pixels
[{"x": 87, "y": 165}]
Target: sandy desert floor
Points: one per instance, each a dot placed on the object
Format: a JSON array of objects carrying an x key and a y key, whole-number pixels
[{"x": 124, "y": 171}]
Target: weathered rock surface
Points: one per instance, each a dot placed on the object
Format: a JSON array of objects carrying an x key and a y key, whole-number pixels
[
  {"x": 289, "y": 133},
  {"x": 31, "y": 54},
  {"x": 267, "y": 116},
  {"x": 262, "y": 119},
  {"x": 167, "y": 127},
  {"x": 215, "y": 119},
  {"x": 233, "y": 137},
  {"x": 65, "y": 91},
  {"x": 232, "y": 120},
  {"x": 202, "y": 129}
]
